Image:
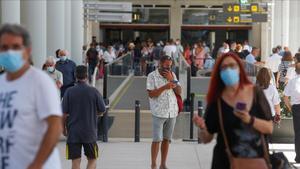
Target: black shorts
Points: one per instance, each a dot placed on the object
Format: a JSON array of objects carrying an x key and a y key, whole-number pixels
[{"x": 73, "y": 150}]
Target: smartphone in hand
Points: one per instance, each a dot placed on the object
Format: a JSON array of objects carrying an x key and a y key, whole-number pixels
[
  {"x": 240, "y": 107},
  {"x": 174, "y": 81}
]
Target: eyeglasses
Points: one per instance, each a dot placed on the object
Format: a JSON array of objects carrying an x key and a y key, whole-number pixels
[{"x": 229, "y": 65}]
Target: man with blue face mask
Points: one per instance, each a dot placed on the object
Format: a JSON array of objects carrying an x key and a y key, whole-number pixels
[
  {"x": 29, "y": 107},
  {"x": 67, "y": 67},
  {"x": 53, "y": 73}
]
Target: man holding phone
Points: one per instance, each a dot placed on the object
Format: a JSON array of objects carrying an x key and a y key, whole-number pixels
[{"x": 162, "y": 85}]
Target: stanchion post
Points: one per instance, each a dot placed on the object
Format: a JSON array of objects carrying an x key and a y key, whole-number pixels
[
  {"x": 200, "y": 114},
  {"x": 191, "y": 116},
  {"x": 137, "y": 121},
  {"x": 105, "y": 121},
  {"x": 105, "y": 82}
]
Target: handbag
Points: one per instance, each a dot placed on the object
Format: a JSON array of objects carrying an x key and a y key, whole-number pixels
[
  {"x": 279, "y": 161},
  {"x": 239, "y": 162},
  {"x": 179, "y": 102}
]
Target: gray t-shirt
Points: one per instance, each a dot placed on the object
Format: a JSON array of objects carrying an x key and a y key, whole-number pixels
[{"x": 82, "y": 103}]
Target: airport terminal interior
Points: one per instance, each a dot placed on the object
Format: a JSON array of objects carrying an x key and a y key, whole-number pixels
[{"x": 129, "y": 38}]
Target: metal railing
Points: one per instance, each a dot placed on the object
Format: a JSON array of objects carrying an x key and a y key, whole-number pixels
[
  {"x": 119, "y": 67},
  {"x": 185, "y": 78}
]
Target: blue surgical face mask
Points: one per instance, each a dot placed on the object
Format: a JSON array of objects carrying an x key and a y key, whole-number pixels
[
  {"x": 63, "y": 58},
  {"x": 230, "y": 76},
  {"x": 50, "y": 69},
  {"x": 12, "y": 60}
]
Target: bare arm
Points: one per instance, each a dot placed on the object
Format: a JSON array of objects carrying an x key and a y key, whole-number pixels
[
  {"x": 64, "y": 123},
  {"x": 157, "y": 92},
  {"x": 178, "y": 90},
  {"x": 205, "y": 136},
  {"x": 263, "y": 126},
  {"x": 287, "y": 103},
  {"x": 277, "y": 109},
  {"x": 49, "y": 141},
  {"x": 277, "y": 79}
]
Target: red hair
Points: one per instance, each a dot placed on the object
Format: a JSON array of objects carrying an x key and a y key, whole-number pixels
[{"x": 216, "y": 85}]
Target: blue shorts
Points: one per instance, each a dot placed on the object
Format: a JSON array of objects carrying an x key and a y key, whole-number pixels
[{"x": 162, "y": 128}]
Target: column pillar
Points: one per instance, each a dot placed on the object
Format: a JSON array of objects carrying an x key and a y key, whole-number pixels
[
  {"x": 265, "y": 41},
  {"x": 285, "y": 7},
  {"x": 294, "y": 34},
  {"x": 10, "y": 11},
  {"x": 34, "y": 18},
  {"x": 68, "y": 27},
  {"x": 96, "y": 30},
  {"x": 77, "y": 30},
  {"x": 175, "y": 21},
  {"x": 255, "y": 35},
  {"x": 55, "y": 26}
]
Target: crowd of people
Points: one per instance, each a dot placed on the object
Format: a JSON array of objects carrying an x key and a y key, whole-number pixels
[{"x": 240, "y": 112}]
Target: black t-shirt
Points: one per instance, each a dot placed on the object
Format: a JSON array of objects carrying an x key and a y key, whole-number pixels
[
  {"x": 244, "y": 141},
  {"x": 92, "y": 56},
  {"x": 82, "y": 103}
]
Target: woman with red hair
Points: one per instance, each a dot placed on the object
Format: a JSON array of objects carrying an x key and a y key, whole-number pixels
[{"x": 243, "y": 109}]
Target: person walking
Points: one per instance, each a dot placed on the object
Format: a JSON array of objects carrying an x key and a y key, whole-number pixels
[
  {"x": 286, "y": 62},
  {"x": 251, "y": 58},
  {"x": 29, "y": 106},
  {"x": 263, "y": 80},
  {"x": 273, "y": 62},
  {"x": 188, "y": 54},
  {"x": 292, "y": 101},
  {"x": 81, "y": 105},
  {"x": 53, "y": 73},
  {"x": 162, "y": 87},
  {"x": 291, "y": 73},
  {"x": 67, "y": 68},
  {"x": 92, "y": 59},
  {"x": 242, "y": 108}
]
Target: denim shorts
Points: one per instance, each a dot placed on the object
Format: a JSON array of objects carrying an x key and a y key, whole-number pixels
[{"x": 162, "y": 128}]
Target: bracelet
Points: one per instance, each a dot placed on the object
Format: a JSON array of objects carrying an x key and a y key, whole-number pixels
[{"x": 252, "y": 120}]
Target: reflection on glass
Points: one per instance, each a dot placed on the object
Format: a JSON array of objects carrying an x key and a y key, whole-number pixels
[{"x": 150, "y": 16}]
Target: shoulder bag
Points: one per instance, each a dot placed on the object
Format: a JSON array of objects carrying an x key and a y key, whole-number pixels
[{"x": 239, "y": 162}]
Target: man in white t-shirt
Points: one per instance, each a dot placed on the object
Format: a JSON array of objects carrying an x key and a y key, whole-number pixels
[
  {"x": 274, "y": 61},
  {"x": 170, "y": 49},
  {"x": 291, "y": 73},
  {"x": 223, "y": 49},
  {"x": 292, "y": 101},
  {"x": 179, "y": 49},
  {"x": 109, "y": 55},
  {"x": 29, "y": 106}
]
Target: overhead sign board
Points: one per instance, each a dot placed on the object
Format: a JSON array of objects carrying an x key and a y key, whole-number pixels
[
  {"x": 109, "y": 6},
  {"x": 245, "y": 8},
  {"x": 108, "y": 11},
  {"x": 260, "y": 17},
  {"x": 245, "y": 18},
  {"x": 109, "y": 17}
]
